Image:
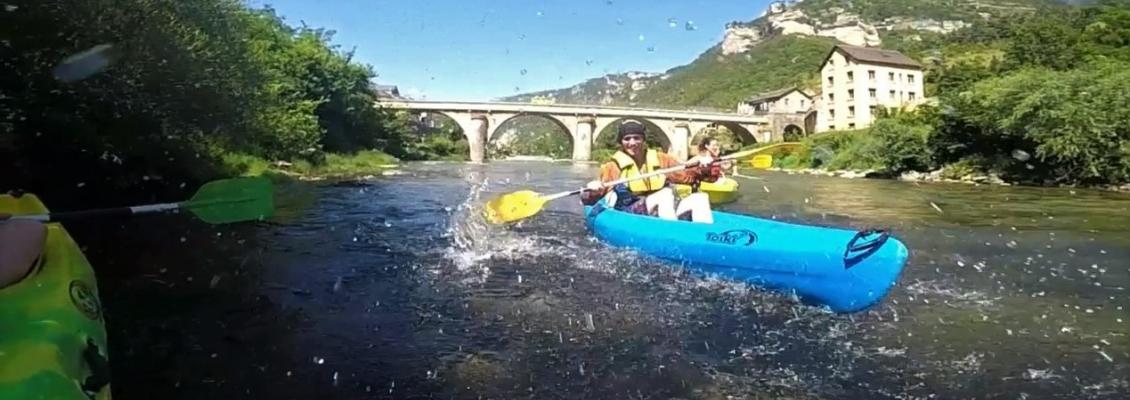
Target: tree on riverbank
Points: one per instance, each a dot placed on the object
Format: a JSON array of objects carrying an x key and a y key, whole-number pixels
[
  {"x": 1054, "y": 109},
  {"x": 169, "y": 90}
]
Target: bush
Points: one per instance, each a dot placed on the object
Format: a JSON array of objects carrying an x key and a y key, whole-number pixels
[
  {"x": 1073, "y": 123},
  {"x": 897, "y": 145}
]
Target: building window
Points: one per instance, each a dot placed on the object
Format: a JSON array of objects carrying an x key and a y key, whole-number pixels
[
  {"x": 892, "y": 95},
  {"x": 911, "y": 96},
  {"x": 892, "y": 76},
  {"x": 832, "y": 114},
  {"x": 831, "y": 97},
  {"x": 831, "y": 127},
  {"x": 786, "y": 102},
  {"x": 851, "y": 111},
  {"x": 874, "y": 110},
  {"x": 831, "y": 81},
  {"x": 851, "y": 76},
  {"x": 871, "y": 93},
  {"x": 851, "y": 125},
  {"x": 910, "y": 78},
  {"x": 802, "y": 103},
  {"x": 871, "y": 75},
  {"x": 851, "y": 94}
]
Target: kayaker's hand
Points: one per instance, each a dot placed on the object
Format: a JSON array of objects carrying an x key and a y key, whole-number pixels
[{"x": 594, "y": 186}]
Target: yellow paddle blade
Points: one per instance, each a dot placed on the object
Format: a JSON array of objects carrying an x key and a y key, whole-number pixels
[
  {"x": 762, "y": 161},
  {"x": 513, "y": 206}
]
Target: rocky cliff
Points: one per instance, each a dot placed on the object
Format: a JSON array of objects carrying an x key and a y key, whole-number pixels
[{"x": 741, "y": 64}]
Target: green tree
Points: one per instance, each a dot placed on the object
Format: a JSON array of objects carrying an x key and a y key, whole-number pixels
[
  {"x": 1047, "y": 40},
  {"x": 1074, "y": 121},
  {"x": 111, "y": 98}
]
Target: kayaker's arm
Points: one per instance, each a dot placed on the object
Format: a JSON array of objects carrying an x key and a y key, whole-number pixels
[
  {"x": 688, "y": 176},
  {"x": 608, "y": 173}
]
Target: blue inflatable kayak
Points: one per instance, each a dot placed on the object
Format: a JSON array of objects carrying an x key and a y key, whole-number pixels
[{"x": 845, "y": 270}]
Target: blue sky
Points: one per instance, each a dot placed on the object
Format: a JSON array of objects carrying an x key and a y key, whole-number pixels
[{"x": 477, "y": 51}]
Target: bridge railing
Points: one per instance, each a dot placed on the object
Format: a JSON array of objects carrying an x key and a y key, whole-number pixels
[{"x": 697, "y": 110}]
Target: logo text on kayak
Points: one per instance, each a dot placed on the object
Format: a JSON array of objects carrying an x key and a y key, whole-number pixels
[{"x": 734, "y": 236}]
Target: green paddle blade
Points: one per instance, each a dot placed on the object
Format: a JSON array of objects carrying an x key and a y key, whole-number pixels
[{"x": 233, "y": 200}]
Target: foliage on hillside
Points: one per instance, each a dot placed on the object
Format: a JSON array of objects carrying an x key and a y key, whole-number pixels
[
  {"x": 938, "y": 10},
  {"x": 721, "y": 81},
  {"x": 1056, "y": 115},
  {"x": 183, "y": 84},
  {"x": 614, "y": 89}
]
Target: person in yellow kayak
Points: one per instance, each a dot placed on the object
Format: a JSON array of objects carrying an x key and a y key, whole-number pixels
[
  {"x": 21, "y": 241},
  {"x": 710, "y": 146},
  {"x": 650, "y": 196}
]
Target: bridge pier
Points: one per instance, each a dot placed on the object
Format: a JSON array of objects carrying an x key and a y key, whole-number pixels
[
  {"x": 680, "y": 140},
  {"x": 582, "y": 140},
  {"x": 476, "y": 132}
]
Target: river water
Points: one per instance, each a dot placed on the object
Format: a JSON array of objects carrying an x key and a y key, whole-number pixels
[{"x": 396, "y": 288}]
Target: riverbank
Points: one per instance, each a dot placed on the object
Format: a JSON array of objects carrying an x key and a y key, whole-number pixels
[
  {"x": 365, "y": 164},
  {"x": 936, "y": 176}
]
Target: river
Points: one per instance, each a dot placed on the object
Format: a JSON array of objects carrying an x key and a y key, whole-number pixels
[{"x": 396, "y": 288}]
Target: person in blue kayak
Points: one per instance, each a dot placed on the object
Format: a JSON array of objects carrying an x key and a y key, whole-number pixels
[
  {"x": 21, "y": 241},
  {"x": 651, "y": 196}
]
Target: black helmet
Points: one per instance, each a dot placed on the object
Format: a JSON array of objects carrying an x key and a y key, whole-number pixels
[{"x": 630, "y": 127}]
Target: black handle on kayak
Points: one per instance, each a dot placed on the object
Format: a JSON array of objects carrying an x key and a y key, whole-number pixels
[
  {"x": 99, "y": 368},
  {"x": 865, "y": 248}
]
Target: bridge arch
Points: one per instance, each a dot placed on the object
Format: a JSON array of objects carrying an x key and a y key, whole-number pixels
[
  {"x": 437, "y": 133},
  {"x": 502, "y": 136},
  {"x": 740, "y": 132},
  {"x": 792, "y": 133}
]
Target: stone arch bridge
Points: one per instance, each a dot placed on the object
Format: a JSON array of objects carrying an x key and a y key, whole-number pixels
[{"x": 480, "y": 120}]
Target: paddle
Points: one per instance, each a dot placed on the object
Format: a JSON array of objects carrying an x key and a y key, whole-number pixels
[
  {"x": 217, "y": 202},
  {"x": 526, "y": 203}
]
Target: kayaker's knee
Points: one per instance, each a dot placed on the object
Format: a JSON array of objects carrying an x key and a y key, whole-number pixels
[
  {"x": 21, "y": 242},
  {"x": 663, "y": 202},
  {"x": 698, "y": 204}
]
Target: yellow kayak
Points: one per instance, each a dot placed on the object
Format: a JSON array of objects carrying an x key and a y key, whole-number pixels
[
  {"x": 725, "y": 190},
  {"x": 52, "y": 332}
]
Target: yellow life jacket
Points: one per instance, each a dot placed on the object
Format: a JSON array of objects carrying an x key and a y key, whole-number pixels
[{"x": 629, "y": 169}]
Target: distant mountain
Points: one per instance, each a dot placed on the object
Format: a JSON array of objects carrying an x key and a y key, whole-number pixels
[
  {"x": 783, "y": 47},
  {"x": 609, "y": 89}
]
